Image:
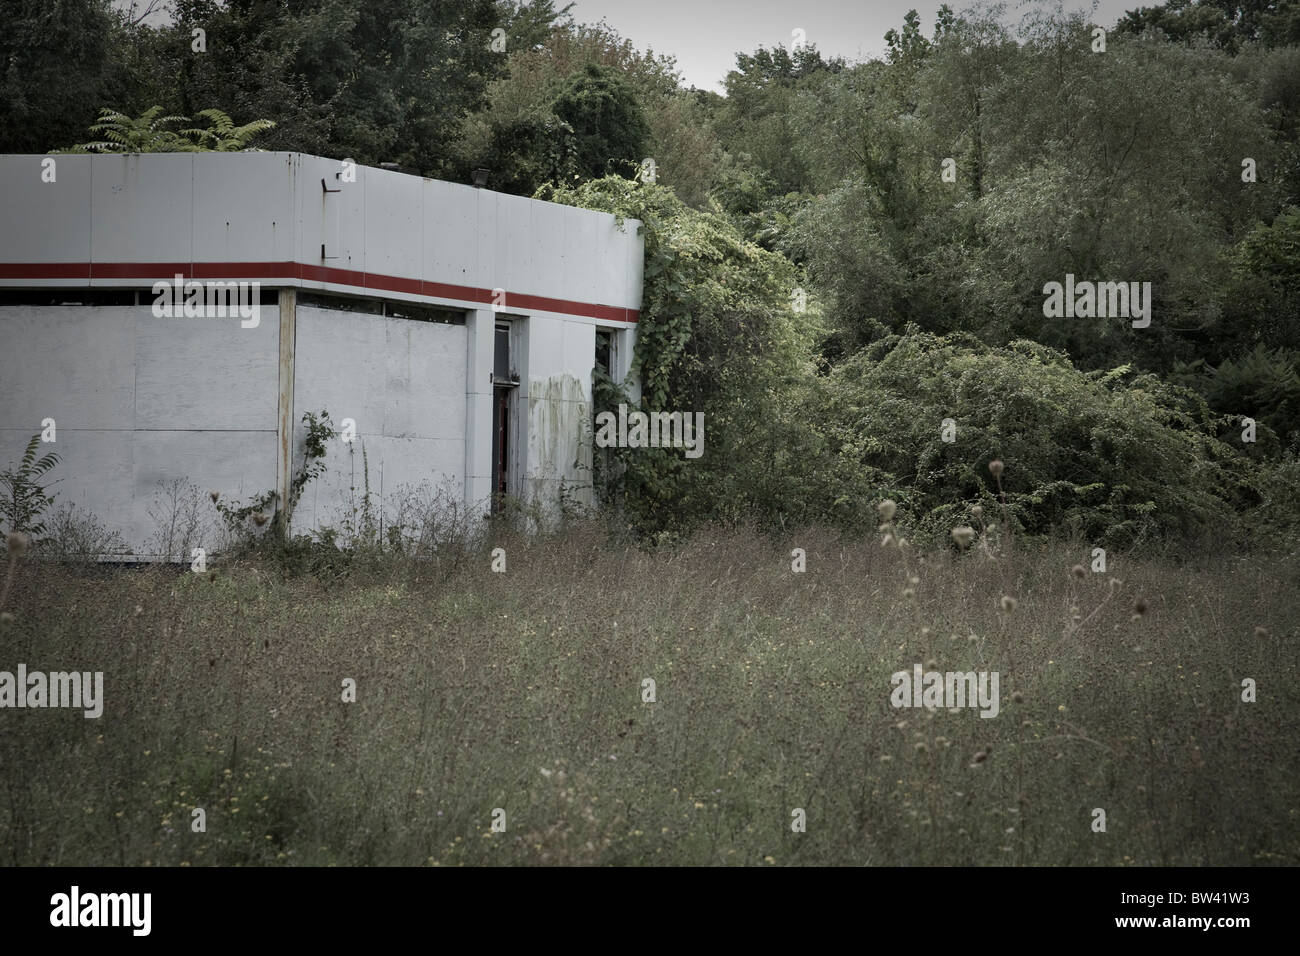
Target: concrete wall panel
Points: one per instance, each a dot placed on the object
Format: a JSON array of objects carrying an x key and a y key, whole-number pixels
[{"x": 45, "y": 222}]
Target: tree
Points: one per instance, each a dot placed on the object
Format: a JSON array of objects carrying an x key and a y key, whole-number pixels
[
  {"x": 58, "y": 62},
  {"x": 376, "y": 81},
  {"x": 761, "y": 113},
  {"x": 504, "y": 135},
  {"x": 530, "y": 152},
  {"x": 610, "y": 129},
  {"x": 1227, "y": 24}
]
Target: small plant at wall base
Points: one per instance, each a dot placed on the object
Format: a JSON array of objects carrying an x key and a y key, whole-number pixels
[
  {"x": 319, "y": 431},
  {"x": 23, "y": 498},
  {"x": 236, "y": 517}
]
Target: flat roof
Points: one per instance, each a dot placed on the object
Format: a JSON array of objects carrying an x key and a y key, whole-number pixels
[{"x": 291, "y": 219}]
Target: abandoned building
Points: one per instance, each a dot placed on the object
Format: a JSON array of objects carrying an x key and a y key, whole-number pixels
[{"x": 174, "y": 316}]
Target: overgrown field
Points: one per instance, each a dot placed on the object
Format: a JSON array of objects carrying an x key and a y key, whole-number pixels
[{"x": 523, "y": 691}]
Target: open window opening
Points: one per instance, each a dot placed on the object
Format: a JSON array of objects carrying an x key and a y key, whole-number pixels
[{"x": 605, "y": 351}]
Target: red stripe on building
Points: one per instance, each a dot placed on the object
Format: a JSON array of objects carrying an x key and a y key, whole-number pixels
[{"x": 231, "y": 271}]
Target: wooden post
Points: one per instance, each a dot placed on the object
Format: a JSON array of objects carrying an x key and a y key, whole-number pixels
[{"x": 284, "y": 432}]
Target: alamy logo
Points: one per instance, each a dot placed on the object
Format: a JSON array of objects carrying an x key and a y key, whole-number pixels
[
  {"x": 1100, "y": 300},
  {"x": 102, "y": 909},
  {"x": 208, "y": 300},
  {"x": 56, "y": 689},
  {"x": 933, "y": 689},
  {"x": 653, "y": 430}
]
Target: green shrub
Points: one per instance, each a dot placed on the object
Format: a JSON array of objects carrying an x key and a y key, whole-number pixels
[
  {"x": 1113, "y": 456},
  {"x": 1262, "y": 384}
]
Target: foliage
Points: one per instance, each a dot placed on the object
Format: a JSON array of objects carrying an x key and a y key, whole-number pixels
[
  {"x": 76, "y": 536},
  {"x": 23, "y": 491},
  {"x": 717, "y": 334},
  {"x": 180, "y": 524},
  {"x": 530, "y": 152},
  {"x": 760, "y": 115},
  {"x": 609, "y": 126},
  {"x": 379, "y": 81},
  {"x": 1262, "y": 300},
  {"x": 1114, "y": 457},
  {"x": 1262, "y": 384},
  {"x": 768, "y": 661},
  {"x": 222, "y": 135},
  {"x": 237, "y": 516},
  {"x": 1050, "y": 179},
  {"x": 149, "y": 133},
  {"x": 58, "y": 62},
  {"x": 1228, "y": 24}
]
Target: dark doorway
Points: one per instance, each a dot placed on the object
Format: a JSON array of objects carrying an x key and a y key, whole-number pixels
[
  {"x": 500, "y": 446},
  {"x": 504, "y": 382}
]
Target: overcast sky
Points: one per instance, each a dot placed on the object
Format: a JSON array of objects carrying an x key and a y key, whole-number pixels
[{"x": 705, "y": 35}]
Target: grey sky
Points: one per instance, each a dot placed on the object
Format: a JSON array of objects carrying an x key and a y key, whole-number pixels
[{"x": 705, "y": 35}]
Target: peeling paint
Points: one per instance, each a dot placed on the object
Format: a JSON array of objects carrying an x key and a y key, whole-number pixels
[{"x": 559, "y": 436}]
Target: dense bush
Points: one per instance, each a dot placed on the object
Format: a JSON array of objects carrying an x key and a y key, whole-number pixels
[
  {"x": 718, "y": 333},
  {"x": 1112, "y": 456},
  {"x": 1118, "y": 457},
  {"x": 1262, "y": 384}
]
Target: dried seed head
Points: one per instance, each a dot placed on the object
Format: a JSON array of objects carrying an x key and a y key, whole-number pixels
[
  {"x": 1140, "y": 607},
  {"x": 1261, "y": 632},
  {"x": 977, "y": 511},
  {"x": 214, "y": 495},
  {"x": 1115, "y": 583},
  {"x": 1018, "y": 697},
  {"x": 931, "y": 664},
  {"x": 996, "y": 468},
  {"x": 887, "y": 540},
  {"x": 6, "y": 617},
  {"x": 908, "y": 593},
  {"x": 1078, "y": 571},
  {"x": 887, "y": 509},
  {"x": 979, "y": 757},
  {"x": 1008, "y": 603},
  {"x": 913, "y": 580},
  {"x": 963, "y": 534},
  {"x": 260, "y": 520},
  {"x": 17, "y": 543}
]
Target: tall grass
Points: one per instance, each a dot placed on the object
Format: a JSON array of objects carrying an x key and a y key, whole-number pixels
[{"x": 523, "y": 691}]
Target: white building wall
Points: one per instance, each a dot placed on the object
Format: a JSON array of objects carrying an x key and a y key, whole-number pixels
[
  {"x": 403, "y": 384},
  {"x": 138, "y": 400}
]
